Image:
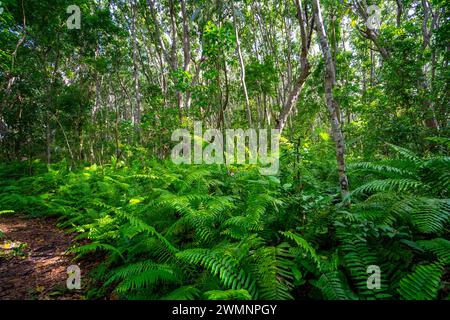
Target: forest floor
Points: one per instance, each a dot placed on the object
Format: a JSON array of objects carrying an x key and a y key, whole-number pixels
[{"x": 34, "y": 260}]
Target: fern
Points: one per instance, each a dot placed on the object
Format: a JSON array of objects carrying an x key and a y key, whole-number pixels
[
  {"x": 222, "y": 266},
  {"x": 423, "y": 283},
  {"x": 148, "y": 279},
  {"x": 139, "y": 225},
  {"x": 227, "y": 295},
  {"x": 273, "y": 266},
  {"x": 405, "y": 153},
  {"x": 308, "y": 250},
  {"x": 333, "y": 286},
  {"x": 440, "y": 247},
  {"x": 427, "y": 214},
  {"x": 386, "y": 185},
  {"x": 87, "y": 248},
  {"x": 183, "y": 293},
  {"x": 384, "y": 169},
  {"x": 188, "y": 232}
]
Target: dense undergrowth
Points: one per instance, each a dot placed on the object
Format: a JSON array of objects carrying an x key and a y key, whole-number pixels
[{"x": 215, "y": 232}]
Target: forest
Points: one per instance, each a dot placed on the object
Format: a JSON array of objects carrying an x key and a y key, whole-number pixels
[{"x": 224, "y": 150}]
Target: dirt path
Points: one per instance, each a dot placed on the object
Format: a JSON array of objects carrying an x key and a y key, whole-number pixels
[{"x": 33, "y": 259}]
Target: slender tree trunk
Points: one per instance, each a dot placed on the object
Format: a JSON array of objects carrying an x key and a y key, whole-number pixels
[
  {"x": 137, "y": 111},
  {"x": 173, "y": 53},
  {"x": 332, "y": 105},
  {"x": 186, "y": 50},
  {"x": 48, "y": 133},
  {"x": 399, "y": 12},
  {"x": 224, "y": 104},
  {"x": 72, "y": 158},
  {"x": 241, "y": 63},
  {"x": 428, "y": 106},
  {"x": 304, "y": 64}
]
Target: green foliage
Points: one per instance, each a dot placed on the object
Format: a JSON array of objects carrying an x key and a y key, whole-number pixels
[
  {"x": 423, "y": 283},
  {"x": 222, "y": 266},
  {"x": 163, "y": 231},
  {"x": 87, "y": 116},
  {"x": 261, "y": 77},
  {"x": 333, "y": 286},
  {"x": 227, "y": 295},
  {"x": 440, "y": 247},
  {"x": 387, "y": 210}
]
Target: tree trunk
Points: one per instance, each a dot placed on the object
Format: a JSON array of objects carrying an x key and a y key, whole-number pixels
[
  {"x": 399, "y": 12},
  {"x": 241, "y": 63},
  {"x": 332, "y": 105},
  {"x": 304, "y": 64},
  {"x": 137, "y": 111},
  {"x": 186, "y": 49}
]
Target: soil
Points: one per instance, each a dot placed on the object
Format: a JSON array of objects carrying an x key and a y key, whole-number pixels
[{"x": 34, "y": 260}]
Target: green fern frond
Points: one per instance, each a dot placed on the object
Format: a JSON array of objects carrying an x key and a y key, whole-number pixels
[
  {"x": 333, "y": 286},
  {"x": 273, "y": 266},
  {"x": 358, "y": 257},
  {"x": 307, "y": 248},
  {"x": 427, "y": 214},
  {"x": 436, "y": 173},
  {"x": 386, "y": 185},
  {"x": 381, "y": 169},
  {"x": 129, "y": 270},
  {"x": 227, "y": 295},
  {"x": 219, "y": 265},
  {"x": 183, "y": 293},
  {"x": 148, "y": 279},
  {"x": 405, "y": 153},
  {"x": 440, "y": 247},
  {"x": 423, "y": 284},
  {"x": 87, "y": 248},
  {"x": 139, "y": 225}
]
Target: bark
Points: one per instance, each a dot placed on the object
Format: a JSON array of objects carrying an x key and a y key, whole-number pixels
[
  {"x": 223, "y": 108},
  {"x": 428, "y": 107},
  {"x": 173, "y": 51},
  {"x": 305, "y": 32},
  {"x": 287, "y": 28},
  {"x": 137, "y": 111},
  {"x": 427, "y": 15},
  {"x": 332, "y": 105},
  {"x": 97, "y": 89},
  {"x": 72, "y": 159},
  {"x": 163, "y": 52},
  {"x": 186, "y": 49},
  {"x": 173, "y": 35},
  {"x": 186, "y": 40},
  {"x": 161, "y": 45},
  {"x": 48, "y": 136},
  {"x": 241, "y": 64},
  {"x": 399, "y": 12}
]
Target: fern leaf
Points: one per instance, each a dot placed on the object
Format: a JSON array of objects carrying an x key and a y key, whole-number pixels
[
  {"x": 302, "y": 243},
  {"x": 423, "y": 283},
  {"x": 440, "y": 247},
  {"x": 227, "y": 295}
]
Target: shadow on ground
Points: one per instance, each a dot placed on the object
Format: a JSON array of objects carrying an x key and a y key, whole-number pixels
[{"x": 33, "y": 259}]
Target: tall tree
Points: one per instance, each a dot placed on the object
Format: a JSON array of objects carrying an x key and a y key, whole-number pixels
[
  {"x": 306, "y": 28},
  {"x": 332, "y": 104}
]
